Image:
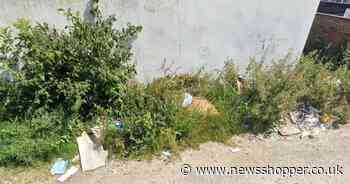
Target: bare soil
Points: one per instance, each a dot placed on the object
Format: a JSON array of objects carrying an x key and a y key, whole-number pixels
[{"x": 329, "y": 148}]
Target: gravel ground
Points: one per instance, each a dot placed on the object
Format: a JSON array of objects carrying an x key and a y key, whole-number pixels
[{"x": 329, "y": 148}]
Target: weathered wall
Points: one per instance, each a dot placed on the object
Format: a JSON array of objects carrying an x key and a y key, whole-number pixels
[{"x": 189, "y": 34}]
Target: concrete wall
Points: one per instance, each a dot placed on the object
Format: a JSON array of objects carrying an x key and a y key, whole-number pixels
[{"x": 189, "y": 34}]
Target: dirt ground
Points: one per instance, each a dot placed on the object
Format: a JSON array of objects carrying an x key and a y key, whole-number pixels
[{"x": 329, "y": 148}]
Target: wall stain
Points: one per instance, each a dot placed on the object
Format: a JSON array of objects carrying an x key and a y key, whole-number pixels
[
  {"x": 204, "y": 52},
  {"x": 128, "y": 4},
  {"x": 153, "y": 6}
]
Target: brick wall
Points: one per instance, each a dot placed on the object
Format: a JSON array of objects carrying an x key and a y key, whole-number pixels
[{"x": 330, "y": 28}]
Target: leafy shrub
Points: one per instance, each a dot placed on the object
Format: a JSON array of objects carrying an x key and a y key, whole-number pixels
[
  {"x": 82, "y": 68},
  {"x": 346, "y": 56},
  {"x": 59, "y": 82},
  {"x": 148, "y": 120},
  {"x": 153, "y": 119},
  {"x": 39, "y": 139},
  {"x": 333, "y": 55},
  {"x": 271, "y": 91}
]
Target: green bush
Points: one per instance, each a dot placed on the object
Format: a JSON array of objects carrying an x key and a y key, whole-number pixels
[
  {"x": 58, "y": 83},
  {"x": 333, "y": 55},
  {"x": 153, "y": 119},
  {"x": 82, "y": 68},
  {"x": 271, "y": 91},
  {"x": 146, "y": 119},
  {"x": 24, "y": 142}
]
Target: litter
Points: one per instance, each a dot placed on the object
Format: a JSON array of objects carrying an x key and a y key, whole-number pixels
[
  {"x": 166, "y": 153},
  {"x": 119, "y": 124},
  {"x": 92, "y": 156},
  {"x": 240, "y": 84},
  {"x": 325, "y": 127},
  {"x": 289, "y": 130},
  {"x": 96, "y": 132},
  {"x": 71, "y": 171},
  {"x": 76, "y": 159},
  {"x": 306, "y": 117},
  {"x": 59, "y": 167},
  {"x": 188, "y": 100},
  {"x": 307, "y": 121},
  {"x": 235, "y": 150}
]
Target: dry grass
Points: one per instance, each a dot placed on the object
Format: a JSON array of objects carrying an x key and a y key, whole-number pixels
[{"x": 203, "y": 106}]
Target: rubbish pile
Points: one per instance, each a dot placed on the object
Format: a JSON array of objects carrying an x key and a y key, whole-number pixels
[
  {"x": 91, "y": 155},
  {"x": 307, "y": 121}
]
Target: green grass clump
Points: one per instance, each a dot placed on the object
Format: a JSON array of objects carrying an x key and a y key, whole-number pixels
[{"x": 41, "y": 138}]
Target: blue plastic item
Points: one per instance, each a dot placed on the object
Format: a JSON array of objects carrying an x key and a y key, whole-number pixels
[
  {"x": 59, "y": 167},
  {"x": 119, "y": 124}
]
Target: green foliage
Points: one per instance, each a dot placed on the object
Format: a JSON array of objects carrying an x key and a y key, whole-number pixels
[
  {"x": 333, "y": 55},
  {"x": 146, "y": 119},
  {"x": 82, "y": 68},
  {"x": 346, "y": 56},
  {"x": 175, "y": 85},
  {"x": 271, "y": 91},
  {"x": 39, "y": 139},
  {"x": 58, "y": 82},
  {"x": 154, "y": 119}
]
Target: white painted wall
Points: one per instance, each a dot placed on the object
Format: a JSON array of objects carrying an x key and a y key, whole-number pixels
[{"x": 191, "y": 33}]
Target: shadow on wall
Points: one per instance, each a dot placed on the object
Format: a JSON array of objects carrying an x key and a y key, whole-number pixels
[
  {"x": 88, "y": 16},
  {"x": 333, "y": 8}
]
